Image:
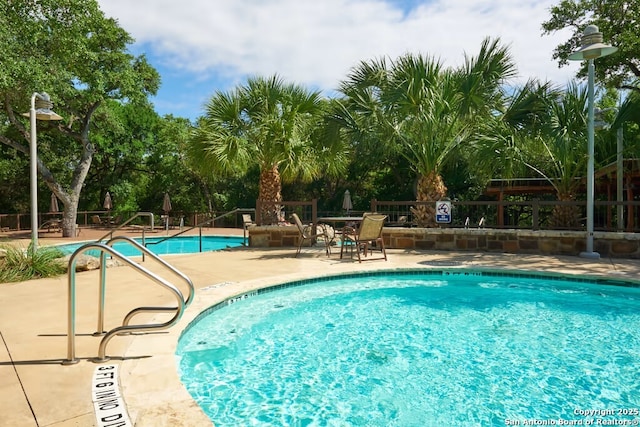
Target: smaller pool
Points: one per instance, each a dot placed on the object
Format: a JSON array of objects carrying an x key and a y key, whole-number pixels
[{"x": 176, "y": 245}]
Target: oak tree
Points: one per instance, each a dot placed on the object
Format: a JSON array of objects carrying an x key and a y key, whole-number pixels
[{"x": 72, "y": 51}]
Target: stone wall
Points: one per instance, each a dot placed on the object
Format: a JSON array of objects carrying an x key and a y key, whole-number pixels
[
  {"x": 614, "y": 245},
  {"x": 273, "y": 236}
]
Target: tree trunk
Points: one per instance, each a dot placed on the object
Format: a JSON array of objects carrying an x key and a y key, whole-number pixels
[
  {"x": 270, "y": 194},
  {"x": 69, "y": 220},
  {"x": 68, "y": 196},
  {"x": 565, "y": 216},
  {"x": 430, "y": 188}
]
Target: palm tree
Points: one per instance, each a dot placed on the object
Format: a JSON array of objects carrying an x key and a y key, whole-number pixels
[
  {"x": 544, "y": 130},
  {"x": 498, "y": 146},
  {"x": 564, "y": 140},
  {"x": 425, "y": 112},
  {"x": 271, "y": 125}
]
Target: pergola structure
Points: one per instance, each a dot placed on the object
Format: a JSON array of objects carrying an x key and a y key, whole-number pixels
[
  {"x": 605, "y": 182},
  {"x": 606, "y": 179}
]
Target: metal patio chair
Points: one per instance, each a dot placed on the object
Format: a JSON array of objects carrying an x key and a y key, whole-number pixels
[{"x": 365, "y": 238}]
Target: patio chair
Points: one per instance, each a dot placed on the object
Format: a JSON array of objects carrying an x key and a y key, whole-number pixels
[
  {"x": 51, "y": 225},
  {"x": 96, "y": 220},
  {"x": 246, "y": 220},
  {"x": 246, "y": 223},
  {"x": 307, "y": 233},
  {"x": 116, "y": 220},
  {"x": 366, "y": 238}
]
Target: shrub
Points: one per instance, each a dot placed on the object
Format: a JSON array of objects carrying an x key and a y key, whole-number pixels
[{"x": 19, "y": 265}]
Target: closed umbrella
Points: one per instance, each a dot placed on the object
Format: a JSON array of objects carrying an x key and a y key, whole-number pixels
[
  {"x": 108, "y": 204},
  {"x": 166, "y": 207},
  {"x": 166, "y": 203},
  {"x": 346, "y": 202},
  {"x": 53, "y": 207}
]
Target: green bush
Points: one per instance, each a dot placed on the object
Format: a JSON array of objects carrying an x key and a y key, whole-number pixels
[{"x": 19, "y": 265}]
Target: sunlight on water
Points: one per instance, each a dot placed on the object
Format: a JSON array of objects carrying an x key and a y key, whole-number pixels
[{"x": 416, "y": 350}]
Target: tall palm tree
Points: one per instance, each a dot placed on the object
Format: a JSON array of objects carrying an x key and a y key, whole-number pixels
[
  {"x": 269, "y": 124},
  {"x": 425, "y": 111},
  {"x": 560, "y": 153},
  {"x": 498, "y": 144},
  {"x": 630, "y": 109},
  {"x": 544, "y": 130}
]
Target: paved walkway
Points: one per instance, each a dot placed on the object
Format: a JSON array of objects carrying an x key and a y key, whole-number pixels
[{"x": 36, "y": 390}]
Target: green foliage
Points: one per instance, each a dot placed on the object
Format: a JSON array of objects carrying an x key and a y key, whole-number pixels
[
  {"x": 398, "y": 119},
  {"x": 69, "y": 49},
  {"x": 627, "y": 118},
  {"x": 619, "y": 22},
  {"x": 266, "y": 124},
  {"x": 542, "y": 129},
  {"x": 564, "y": 138},
  {"x": 416, "y": 108},
  {"x": 14, "y": 178},
  {"x": 19, "y": 265},
  {"x": 124, "y": 139},
  {"x": 126, "y": 197}
]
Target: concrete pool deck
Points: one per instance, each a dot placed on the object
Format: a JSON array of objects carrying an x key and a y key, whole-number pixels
[{"x": 36, "y": 390}]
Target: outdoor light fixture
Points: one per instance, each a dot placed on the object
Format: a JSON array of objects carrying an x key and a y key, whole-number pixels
[
  {"x": 592, "y": 48},
  {"x": 43, "y": 112}
]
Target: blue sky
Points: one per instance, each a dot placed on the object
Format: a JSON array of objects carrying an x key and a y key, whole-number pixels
[{"x": 202, "y": 46}]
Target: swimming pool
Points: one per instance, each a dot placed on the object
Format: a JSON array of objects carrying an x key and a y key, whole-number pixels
[
  {"x": 419, "y": 348},
  {"x": 176, "y": 245}
]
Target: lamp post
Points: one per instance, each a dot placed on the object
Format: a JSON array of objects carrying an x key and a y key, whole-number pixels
[
  {"x": 592, "y": 48},
  {"x": 43, "y": 112}
]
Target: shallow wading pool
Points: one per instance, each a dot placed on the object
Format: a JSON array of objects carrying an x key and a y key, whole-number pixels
[{"x": 416, "y": 348}]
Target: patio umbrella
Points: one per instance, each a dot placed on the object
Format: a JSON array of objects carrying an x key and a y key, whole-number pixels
[
  {"x": 53, "y": 207},
  {"x": 166, "y": 204},
  {"x": 346, "y": 202},
  {"x": 166, "y": 207},
  {"x": 108, "y": 204}
]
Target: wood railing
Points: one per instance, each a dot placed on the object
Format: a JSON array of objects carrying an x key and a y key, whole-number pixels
[{"x": 532, "y": 215}]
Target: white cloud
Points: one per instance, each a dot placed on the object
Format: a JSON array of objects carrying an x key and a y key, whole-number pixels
[{"x": 316, "y": 42}]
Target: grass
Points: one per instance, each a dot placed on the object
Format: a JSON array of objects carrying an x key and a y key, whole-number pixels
[{"x": 19, "y": 265}]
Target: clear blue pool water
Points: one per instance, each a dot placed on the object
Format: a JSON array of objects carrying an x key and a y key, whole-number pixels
[
  {"x": 433, "y": 349},
  {"x": 176, "y": 245}
]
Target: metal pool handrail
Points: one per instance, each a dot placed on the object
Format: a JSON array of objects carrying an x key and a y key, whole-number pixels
[
  {"x": 177, "y": 272},
  {"x": 125, "y": 327},
  {"x": 137, "y": 215},
  {"x": 202, "y": 224}
]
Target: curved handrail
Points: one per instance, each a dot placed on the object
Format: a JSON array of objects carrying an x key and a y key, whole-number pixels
[
  {"x": 71, "y": 359},
  {"x": 202, "y": 224},
  {"x": 137, "y": 215},
  {"x": 129, "y": 316},
  {"x": 177, "y": 272}
]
